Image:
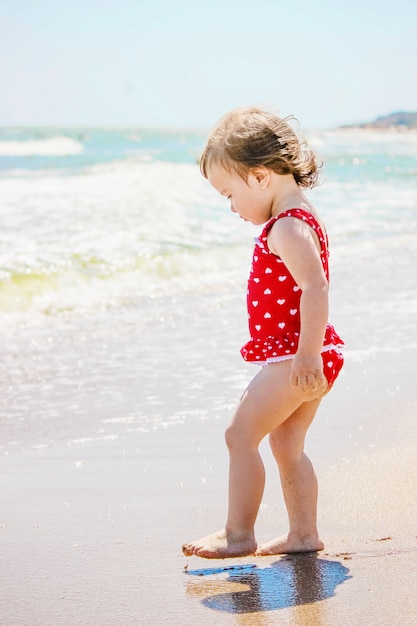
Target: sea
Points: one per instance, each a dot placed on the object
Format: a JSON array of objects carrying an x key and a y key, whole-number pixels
[{"x": 123, "y": 275}]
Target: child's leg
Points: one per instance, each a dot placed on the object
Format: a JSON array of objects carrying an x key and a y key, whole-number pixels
[
  {"x": 268, "y": 401},
  {"x": 299, "y": 484}
]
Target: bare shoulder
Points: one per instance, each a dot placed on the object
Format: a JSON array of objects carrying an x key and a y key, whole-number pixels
[
  {"x": 293, "y": 232},
  {"x": 289, "y": 232}
]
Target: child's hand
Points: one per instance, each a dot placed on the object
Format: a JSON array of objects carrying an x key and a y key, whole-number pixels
[{"x": 307, "y": 374}]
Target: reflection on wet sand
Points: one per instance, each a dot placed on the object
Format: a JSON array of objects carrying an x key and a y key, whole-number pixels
[{"x": 293, "y": 580}]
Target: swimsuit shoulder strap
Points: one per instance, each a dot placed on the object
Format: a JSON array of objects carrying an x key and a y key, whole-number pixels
[
  {"x": 312, "y": 221},
  {"x": 309, "y": 218}
]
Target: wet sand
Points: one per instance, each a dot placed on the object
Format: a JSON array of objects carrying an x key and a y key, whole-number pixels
[{"x": 91, "y": 533}]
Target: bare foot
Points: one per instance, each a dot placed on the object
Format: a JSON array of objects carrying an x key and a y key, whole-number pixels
[
  {"x": 290, "y": 543},
  {"x": 221, "y": 545}
]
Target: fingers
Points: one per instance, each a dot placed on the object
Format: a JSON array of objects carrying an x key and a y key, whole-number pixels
[
  {"x": 311, "y": 382},
  {"x": 307, "y": 375}
]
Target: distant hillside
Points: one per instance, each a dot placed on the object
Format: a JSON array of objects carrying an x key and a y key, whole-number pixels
[{"x": 401, "y": 119}]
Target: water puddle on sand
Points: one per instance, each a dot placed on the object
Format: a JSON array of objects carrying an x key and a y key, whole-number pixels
[{"x": 291, "y": 581}]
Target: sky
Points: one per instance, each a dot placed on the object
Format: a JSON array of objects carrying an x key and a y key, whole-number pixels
[{"x": 184, "y": 63}]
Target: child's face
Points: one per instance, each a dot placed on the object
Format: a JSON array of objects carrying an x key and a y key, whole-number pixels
[{"x": 250, "y": 199}]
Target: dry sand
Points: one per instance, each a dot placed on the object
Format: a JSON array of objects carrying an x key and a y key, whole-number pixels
[{"x": 91, "y": 534}]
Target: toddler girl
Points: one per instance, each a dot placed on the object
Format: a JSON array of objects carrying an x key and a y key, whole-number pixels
[{"x": 256, "y": 160}]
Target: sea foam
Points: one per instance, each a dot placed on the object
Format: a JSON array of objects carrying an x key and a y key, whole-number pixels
[{"x": 54, "y": 146}]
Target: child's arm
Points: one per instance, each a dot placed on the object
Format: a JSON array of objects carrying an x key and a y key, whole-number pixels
[{"x": 295, "y": 243}]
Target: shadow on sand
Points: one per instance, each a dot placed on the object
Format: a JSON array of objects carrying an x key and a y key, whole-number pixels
[{"x": 291, "y": 581}]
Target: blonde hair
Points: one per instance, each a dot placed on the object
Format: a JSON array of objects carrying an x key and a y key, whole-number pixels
[{"x": 251, "y": 137}]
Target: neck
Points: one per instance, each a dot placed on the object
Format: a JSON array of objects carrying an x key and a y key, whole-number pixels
[{"x": 286, "y": 194}]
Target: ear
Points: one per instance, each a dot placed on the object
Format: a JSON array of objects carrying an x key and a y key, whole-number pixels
[{"x": 262, "y": 176}]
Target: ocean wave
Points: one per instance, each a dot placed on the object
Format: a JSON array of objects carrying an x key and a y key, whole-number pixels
[
  {"x": 53, "y": 146},
  {"x": 358, "y": 141},
  {"x": 94, "y": 283}
]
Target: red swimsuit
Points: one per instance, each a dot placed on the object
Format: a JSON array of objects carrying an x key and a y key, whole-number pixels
[{"x": 274, "y": 305}]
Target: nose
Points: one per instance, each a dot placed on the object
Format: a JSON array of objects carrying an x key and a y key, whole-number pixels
[{"x": 232, "y": 208}]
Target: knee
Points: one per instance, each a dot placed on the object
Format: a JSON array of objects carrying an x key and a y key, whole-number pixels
[
  {"x": 232, "y": 436},
  {"x": 238, "y": 437},
  {"x": 287, "y": 444}
]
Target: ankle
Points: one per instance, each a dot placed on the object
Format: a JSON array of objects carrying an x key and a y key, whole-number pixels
[
  {"x": 303, "y": 535},
  {"x": 239, "y": 533}
]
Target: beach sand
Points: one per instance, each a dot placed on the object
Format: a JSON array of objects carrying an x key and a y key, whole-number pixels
[{"x": 91, "y": 532}]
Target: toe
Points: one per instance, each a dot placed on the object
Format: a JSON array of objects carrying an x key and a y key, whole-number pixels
[{"x": 187, "y": 549}]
